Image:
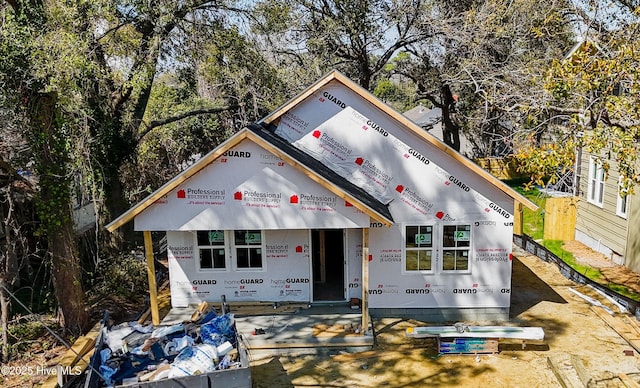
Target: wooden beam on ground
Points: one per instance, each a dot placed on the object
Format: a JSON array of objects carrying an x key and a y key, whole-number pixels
[
  {"x": 581, "y": 370},
  {"x": 624, "y": 330},
  {"x": 75, "y": 359},
  {"x": 151, "y": 275},
  {"x": 626, "y": 380},
  {"x": 564, "y": 380}
]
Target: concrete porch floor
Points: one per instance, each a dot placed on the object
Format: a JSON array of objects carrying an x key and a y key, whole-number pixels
[{"x": 319, "y": 328}]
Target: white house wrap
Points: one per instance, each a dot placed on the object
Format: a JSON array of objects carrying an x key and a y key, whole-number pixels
[{"x": 282, "y": 211}]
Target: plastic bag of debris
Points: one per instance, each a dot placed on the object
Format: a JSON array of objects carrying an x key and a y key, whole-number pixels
[
  {"x": 194, "y": 360},
  {"x": 219, "y": 330}
]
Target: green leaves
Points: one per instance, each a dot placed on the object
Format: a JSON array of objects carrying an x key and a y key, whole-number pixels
[{"x": 601, "y": 83}]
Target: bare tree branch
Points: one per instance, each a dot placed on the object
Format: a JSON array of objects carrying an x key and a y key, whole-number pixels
[{"x": 158, "y": 123}]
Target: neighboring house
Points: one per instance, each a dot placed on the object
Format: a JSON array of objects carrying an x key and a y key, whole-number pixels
[
  {"x": 606, "y": 220},
  {"x": 336, "y": 196},
  {"x": 431, "y": 121}
]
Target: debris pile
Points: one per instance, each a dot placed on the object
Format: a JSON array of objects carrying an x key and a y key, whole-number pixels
[{"x": 134, "y": 353}]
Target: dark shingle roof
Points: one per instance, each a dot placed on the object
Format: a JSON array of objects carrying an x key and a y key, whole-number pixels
[{"x": 266, "y": 132}]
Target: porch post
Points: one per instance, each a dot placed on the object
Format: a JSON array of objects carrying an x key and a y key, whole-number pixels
[
  {"x": 365, "y": 279},
  {"x": 151, "y": 274},
  {"x": 517, "y": 219}
]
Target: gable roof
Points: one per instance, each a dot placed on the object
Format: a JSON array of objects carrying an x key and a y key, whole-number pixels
[
  {"x": 404, "y": 121},
  {"x": 262, "y": 134},
  {"x": 259, "y": 134}
]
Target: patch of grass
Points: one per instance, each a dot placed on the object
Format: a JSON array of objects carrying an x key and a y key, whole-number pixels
[
  {"x": 555, "y": 246},
  {"x": 533, "y": 226},
  {"x": 533, "y": 221}
]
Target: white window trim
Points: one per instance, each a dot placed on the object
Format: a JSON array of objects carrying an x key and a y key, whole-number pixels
[
  {"x": 441, "y": 249},
  {"x": 437, "y": 256},
  {"x": 622, "y": 203},
  {"x": 596, "y": 177},
  {"x": 234, "y": 259},
  {"x": 230, "y": 259},
  {"x": 226, "y": 268},
  {"x": 434, "y": 249}
]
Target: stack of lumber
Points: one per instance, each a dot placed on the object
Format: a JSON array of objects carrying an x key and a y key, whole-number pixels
[
  {"x": 75, "y": 360},
  {"x": 626, "y": 326}
]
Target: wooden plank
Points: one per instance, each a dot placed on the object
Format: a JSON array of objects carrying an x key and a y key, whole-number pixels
[
  {"x": 78, "y": 355},
  {"x": 627, "y": 332},
  {"x": 78, "y": 349},
  {"x": 580, "y": 369},
  {"x": 564, "y": 380},
  {"x": 151, "y": 275},
  {"x": 626, "y": 380}
]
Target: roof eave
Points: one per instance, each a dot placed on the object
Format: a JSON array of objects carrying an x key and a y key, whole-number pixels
[{"x": 177, "y": 180}]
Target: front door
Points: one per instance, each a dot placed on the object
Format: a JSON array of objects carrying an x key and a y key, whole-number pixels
[{"x": 328, "y": 264}]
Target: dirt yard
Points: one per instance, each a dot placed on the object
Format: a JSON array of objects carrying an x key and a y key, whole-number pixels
[
  {"x": 576, "y": 340},
  {"x": 577, "y": 343}
]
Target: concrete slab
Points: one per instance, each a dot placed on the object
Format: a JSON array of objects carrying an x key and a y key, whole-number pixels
[{"x": 300, "y": 331}]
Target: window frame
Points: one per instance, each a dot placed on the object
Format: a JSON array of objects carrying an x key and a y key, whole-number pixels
[
  {"x": 235, "y": 247},
  {"x": 432, "y": 249},
  {"x": 223, "y": 246},
  {"x": 596, "y": 181},
  {"x": 468, "y": 248},
  {"x": 622, "y": 202},
  {"x": 230, "y": 248}
]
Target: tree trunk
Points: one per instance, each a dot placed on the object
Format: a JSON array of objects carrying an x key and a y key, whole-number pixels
[
  {"x": 54, "y": 208},
  {"x": 5, "y": 306},
  {"x": 8, "y": 271},
  {"x": 451, "y": 124}
]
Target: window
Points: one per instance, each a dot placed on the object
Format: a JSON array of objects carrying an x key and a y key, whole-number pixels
[
  {"x": 595, "y": 193},
  {"x": 418, "y": 248},
  {"x": 211, "y": 249},
  {"x": 621, "y": 207},
  {"x": 248, "y": 247},
  {"x": 456, "y": 240}
]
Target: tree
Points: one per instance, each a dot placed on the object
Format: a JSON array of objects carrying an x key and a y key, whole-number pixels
[
  {"x": 357, "y": 37},
  {"x": 49, "y": 143},
  {"x": 489, "y": 53},
  {"x": 597, "y": 91},
  {"x": 86, "y": 73}
]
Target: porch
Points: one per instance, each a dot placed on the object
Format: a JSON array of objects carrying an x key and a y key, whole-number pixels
[{"x": 269, "y": 329}]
